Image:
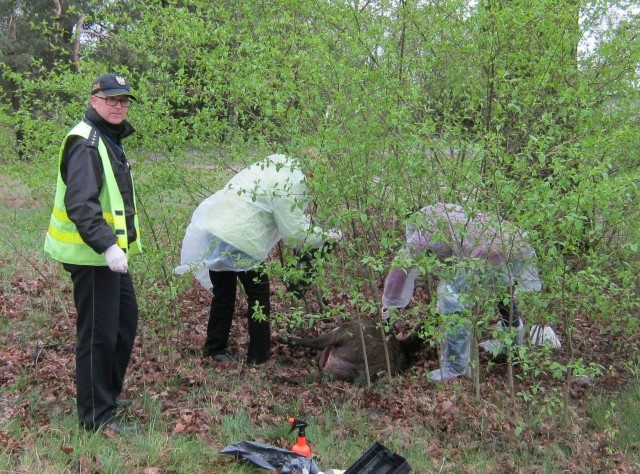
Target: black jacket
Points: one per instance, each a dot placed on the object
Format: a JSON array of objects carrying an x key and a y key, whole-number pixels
[{"x": 82, "y": 172}]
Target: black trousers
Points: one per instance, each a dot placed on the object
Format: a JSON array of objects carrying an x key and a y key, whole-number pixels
[
  {"x": 509, "y": 318},
  {"x": 256, "y": 286},
  {"x": 106, "y": 329}
]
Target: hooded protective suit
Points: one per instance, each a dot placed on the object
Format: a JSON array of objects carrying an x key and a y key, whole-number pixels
[
  {"x": 237, "y": 227},
  {"x": 488, "y": 253},
  {"x": 454, "y": 237}
]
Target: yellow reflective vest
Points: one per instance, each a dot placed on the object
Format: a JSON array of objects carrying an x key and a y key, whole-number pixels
[{"x": 63, "y": 241}]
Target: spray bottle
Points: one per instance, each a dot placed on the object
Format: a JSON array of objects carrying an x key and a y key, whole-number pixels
[{"x": 301, "y": 446}]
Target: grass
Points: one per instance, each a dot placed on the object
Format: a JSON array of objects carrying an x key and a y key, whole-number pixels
[
  {"x": 618, "y": 416},
  {"x": 190, "y": 411}
]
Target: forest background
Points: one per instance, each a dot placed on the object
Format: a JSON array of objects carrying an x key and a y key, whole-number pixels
[{"x": 527, "y": 110}]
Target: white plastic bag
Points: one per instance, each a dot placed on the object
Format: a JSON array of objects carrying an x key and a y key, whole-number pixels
[{"x": 544, "y": 336}]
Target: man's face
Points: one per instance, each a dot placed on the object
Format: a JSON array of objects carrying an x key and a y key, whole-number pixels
[{"x": 113, "y": 109}]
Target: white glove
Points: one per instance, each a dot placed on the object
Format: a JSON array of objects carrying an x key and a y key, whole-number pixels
[
  {"x": 385, "y": 313},
  {"x": 116, "y": 259}
]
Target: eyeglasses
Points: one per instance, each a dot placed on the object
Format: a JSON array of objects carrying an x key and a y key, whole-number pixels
[{"x": 112, "y": 101}]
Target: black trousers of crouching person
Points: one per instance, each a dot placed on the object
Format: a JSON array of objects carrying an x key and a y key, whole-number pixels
[
  {"x": 509, "y": 318},
  {"x": 256, "y": 286},
  {"x": 106, "y": 329}
]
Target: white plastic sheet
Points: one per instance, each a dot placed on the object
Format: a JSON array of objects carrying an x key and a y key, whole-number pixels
[
  {"x": 455, "y": 236},
  {"x": 237, "y": 227}
]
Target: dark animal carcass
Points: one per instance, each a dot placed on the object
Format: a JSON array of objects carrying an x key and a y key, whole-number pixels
[{"x": 341, "y": 353}]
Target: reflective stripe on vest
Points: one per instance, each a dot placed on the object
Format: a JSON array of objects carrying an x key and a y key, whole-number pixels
[{"x": 63, "y": 241}]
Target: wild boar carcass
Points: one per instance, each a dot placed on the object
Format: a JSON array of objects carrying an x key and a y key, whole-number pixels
[{"x": 341, "y": 353}]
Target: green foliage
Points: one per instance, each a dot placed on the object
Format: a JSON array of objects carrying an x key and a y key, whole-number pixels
[
  {"x": 498, "y": 107},
  {"x": 396, "y": 116}
]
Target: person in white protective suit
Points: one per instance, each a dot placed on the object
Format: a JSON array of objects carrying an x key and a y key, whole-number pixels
[
  {"x": 231, "y": 234},
  {"x": 488, "y": 254}
]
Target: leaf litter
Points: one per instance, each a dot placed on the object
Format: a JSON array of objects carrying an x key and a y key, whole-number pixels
[{"x": 193, "y": 400}]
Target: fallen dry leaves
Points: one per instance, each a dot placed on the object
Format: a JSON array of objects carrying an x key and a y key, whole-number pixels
[{"x": 167, "y": 365}]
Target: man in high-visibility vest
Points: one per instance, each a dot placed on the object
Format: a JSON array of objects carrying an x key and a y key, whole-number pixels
[{"x": 93, "y": 231}]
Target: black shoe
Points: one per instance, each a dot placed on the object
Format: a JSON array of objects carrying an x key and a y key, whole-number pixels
[
  {"x": 116, "y": 426},
  {"x": 257, "y": 360},
  {"x": 224, "y": 357},
  {"x": 122, "y": 428},
  {"x": 122, "y": 403}
]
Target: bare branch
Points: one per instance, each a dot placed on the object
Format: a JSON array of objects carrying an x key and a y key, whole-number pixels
[
  {"x": 58, "y": 8},
  {"x": 76, "y": 43}
]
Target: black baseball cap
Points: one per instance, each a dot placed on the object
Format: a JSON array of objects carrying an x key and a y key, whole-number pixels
[{"x": 112, "y": 84}]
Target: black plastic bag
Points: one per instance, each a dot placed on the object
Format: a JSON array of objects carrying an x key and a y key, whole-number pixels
[{"x": 271, "y": 457}]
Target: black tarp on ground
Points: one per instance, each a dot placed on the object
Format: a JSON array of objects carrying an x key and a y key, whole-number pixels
[{"x": 271, "y": 457}]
